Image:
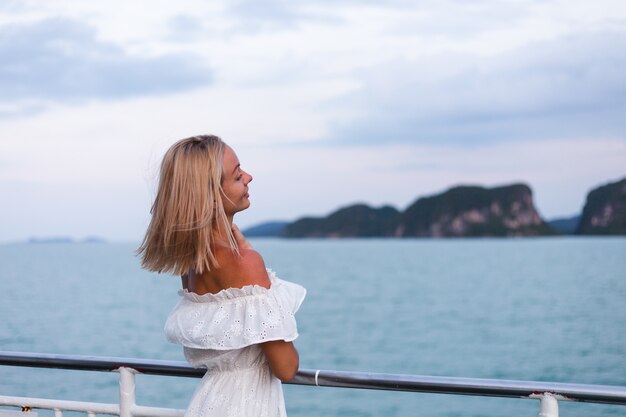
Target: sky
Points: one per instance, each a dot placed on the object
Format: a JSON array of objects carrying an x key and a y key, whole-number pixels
[{"x": 327, "y": 103}]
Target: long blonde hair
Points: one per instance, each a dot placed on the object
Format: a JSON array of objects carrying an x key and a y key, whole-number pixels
[{"x": 187, "y": 210}]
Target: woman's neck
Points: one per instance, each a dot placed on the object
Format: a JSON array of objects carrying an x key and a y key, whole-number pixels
[{"x": 220, "y": 233}]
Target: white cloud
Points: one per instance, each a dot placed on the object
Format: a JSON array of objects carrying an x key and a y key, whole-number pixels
[
  {"x": 573, "y": 86},
  {"x": 116, "y": 143},
  {"x": 61, "y": 60}
]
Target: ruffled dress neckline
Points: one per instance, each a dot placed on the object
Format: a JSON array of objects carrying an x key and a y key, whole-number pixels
[{"x": 232, "y": 292}]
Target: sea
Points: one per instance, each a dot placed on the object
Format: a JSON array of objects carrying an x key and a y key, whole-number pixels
[{"x": 540, "y": 309}]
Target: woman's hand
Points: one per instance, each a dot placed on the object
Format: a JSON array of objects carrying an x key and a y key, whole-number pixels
[{"x": 241, "y": 240}]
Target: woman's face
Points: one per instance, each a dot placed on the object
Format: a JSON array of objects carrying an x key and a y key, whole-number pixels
[{"x": 234, "y": 183}]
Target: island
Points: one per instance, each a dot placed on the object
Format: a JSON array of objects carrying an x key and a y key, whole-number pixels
[
  {"x": 462, "y": 211},
  {"x": 605, "y": 210}
]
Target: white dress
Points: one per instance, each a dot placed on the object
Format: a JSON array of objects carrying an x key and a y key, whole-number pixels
[{"x": 222, "y": 332}]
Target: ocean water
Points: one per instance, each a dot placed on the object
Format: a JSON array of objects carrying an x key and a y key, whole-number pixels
[{"x": 547, "y": 309}]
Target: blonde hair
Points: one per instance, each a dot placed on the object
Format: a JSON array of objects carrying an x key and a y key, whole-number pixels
[{"x": 187, "y": 210}]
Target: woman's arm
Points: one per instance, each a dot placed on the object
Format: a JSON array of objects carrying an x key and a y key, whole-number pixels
[
  {"x": 283, "y": 359},
  {"x": 282, "y": 356}
]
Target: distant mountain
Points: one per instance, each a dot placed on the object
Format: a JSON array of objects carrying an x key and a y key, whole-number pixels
[
  {"x": 359, "y": 220},
  {"x": 462, "y": 211},
  {"x": 65, "y": 239},
  {"x": 55, "y": 239},
  {"x": 267, "y": 229},
  {"x": 468, "y": 211},
  {"x": 565, "y": 225},
  {"x": 605, "y": 210},
  {"x": 93, "y": 239}
]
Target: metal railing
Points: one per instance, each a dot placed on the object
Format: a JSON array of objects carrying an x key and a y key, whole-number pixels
[{"x": 548, "y": 393}]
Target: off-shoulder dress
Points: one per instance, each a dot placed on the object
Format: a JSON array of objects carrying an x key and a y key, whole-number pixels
[{"x": 222, "y": 332}]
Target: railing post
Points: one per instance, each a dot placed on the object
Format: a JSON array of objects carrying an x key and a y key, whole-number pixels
[
  {"x": 127, "y": 391},
  {"x": 549, "y": 406}
]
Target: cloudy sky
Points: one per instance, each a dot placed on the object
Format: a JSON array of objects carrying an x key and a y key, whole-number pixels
[{"x": 327, "y": 103}]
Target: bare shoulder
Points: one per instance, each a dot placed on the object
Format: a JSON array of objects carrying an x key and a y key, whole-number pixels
[
  {"x": 247, "y": 268},
  {"x": 252, "y": 268}
]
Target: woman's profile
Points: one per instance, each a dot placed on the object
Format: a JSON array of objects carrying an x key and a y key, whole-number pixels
[{"x": 234, "y": 316}]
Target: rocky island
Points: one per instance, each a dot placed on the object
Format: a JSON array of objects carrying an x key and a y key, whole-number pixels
[
  {"x": 466, "y": 211},
  {"x": 463, "y": 211},
  {"x": 605, "y": 211},
  {"x": 358, "y": 220}
]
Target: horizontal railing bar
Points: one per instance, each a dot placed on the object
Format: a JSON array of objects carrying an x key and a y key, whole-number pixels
[
  {"x": 144, "y": 411},
  {"x": 395, "y": 382},
  {"x": 605, "y": 394},
  {"x": 99, "y": 363},
  {"x": 87, "y": 407},
  {"x": 65, "y": 405}
]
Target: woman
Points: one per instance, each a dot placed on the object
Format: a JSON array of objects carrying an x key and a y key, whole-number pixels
[{"x": 235, "y": 317}]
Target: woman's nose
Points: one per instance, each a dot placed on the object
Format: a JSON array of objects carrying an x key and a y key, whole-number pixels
[{"x": 249, "y": 178}]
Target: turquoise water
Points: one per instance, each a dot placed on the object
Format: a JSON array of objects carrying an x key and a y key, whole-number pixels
[{"x": 547, "y": 309}]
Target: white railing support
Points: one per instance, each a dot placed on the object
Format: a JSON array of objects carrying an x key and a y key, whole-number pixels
[
  {"x": 127, "y": 391},
  {"x": 549, "y": 406}
]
